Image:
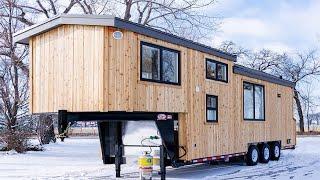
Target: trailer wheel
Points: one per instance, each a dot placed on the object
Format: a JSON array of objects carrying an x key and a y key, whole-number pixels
[
  {"x": 252, "y": 157},
  {"x": 265, "y": 153},
  {"x": 275, "y": 151}
]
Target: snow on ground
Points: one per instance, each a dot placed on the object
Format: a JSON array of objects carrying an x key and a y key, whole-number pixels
[
  {"x": 301, "y": 163},
  {"x": 79, "y": 158}
]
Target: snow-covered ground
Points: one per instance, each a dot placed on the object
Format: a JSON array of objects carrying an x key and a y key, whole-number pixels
[{"x": 79, "y": 158}]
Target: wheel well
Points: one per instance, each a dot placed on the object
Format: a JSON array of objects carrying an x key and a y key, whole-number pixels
[
  {"x": 273, "y": 142},
  {"x": 259, "y": 144}
]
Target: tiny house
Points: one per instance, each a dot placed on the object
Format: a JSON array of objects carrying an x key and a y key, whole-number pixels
[{"x": 206, "y": 107}]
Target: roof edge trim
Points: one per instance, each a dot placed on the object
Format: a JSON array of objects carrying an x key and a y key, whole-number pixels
[
  {"x": 245, "y": 71},
  {"x": 155, "y": 33},
  {"x": 23, "y": 36}
]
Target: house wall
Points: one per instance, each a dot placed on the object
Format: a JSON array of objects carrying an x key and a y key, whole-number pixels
[
  {"x": 83, "y": 68},
  {"x": 231, "y": 134},
  {"x": 66, "y": 70},
  {"x": 279, "y": 124},
  {"x": 125, "y": 91}
]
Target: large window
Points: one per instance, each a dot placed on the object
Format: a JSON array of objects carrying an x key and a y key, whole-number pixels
[
  {"x": 216, "y": 70},
  {"x": 159, "y": 64},
  {"x": 212, "y": 108},
  {"x": 253, "y": 102}
]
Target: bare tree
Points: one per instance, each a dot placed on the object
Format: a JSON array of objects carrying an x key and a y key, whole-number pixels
[
  {"x": 184, "y": 18},
  {"x": 13, "y": 80},
  {"x": 310, "y": 103},
  {"x": 262, "y": 60},
  {"x": 15, "y": 15},
  {"x": 265, "y": 60},
  {"x": 233, "y": 48},
  {"x": 300, "y": 68}
]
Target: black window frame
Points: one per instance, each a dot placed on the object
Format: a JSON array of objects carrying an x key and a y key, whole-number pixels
[
  {"x": 216, "y": 73},
  {"x": 254, "y": 101},
  {"x": 161, "y": 49},
  {"x": 210, "y": 108}
]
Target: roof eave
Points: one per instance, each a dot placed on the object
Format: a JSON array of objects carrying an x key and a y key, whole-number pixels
[
  {"x": 22, "y": 37},
  {"x": 238, "y": 69},
  {"x": 151, "y": 32}
]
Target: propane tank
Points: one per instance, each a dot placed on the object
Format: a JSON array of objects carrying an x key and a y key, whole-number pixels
[
  {"x": 145, "y": 166},
  {"x": 156, "y": 159}
]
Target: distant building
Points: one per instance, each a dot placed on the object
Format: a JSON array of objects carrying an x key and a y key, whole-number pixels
[{"x": 314, "y": 119}]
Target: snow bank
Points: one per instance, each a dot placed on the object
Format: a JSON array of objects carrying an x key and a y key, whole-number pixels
[{"x": 80, "y": 158}]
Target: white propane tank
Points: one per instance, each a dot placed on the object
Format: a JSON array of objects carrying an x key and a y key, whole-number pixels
[
  {"x": 145, "y": 166},
  {"x": 156, "y": 159}
]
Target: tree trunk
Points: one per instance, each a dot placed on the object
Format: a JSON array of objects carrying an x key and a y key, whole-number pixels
[
  {"x": 299, "y": 108},
  {"x": 127, "y": 13},
  {"x": 46, "y": 129}
]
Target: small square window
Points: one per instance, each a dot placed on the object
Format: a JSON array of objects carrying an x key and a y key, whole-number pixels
[
  {"x": 212, "y": 108},
  {"x": 216, "y": 70}
]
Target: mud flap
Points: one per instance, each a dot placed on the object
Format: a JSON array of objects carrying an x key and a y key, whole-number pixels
[
  {"x": 110, "y": 133},
  {"x": 62, "y": 123},
  {"x": 166, "y": 130}
]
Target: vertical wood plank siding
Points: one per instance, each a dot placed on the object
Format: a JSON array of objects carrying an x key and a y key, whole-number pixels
[
  {"x": 83, "y": 68},
  {"x": 67, "y": 69}
]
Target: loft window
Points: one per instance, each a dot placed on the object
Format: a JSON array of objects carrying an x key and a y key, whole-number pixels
[
  {"x": 253, "y": 102},
  {"x": 212, "y": 108},
  {"x": 216, "y": 70},
  {"x": 159, "y": 64}
]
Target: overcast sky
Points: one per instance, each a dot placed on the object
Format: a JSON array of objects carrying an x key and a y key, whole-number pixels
[{"x": 280, "y": 25}]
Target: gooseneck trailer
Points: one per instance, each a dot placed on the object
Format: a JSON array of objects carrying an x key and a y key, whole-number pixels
[{"x": 205, "y": 107}]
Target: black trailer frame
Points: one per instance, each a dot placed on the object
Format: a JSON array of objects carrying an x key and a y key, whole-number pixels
[{"x": 110, "y": 133}]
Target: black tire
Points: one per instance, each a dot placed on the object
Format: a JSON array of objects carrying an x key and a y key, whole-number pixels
[
  {"x": 264, "y": 153},
  {"x": 252, "y": 156},
  {"x": 275, "y": 150}
]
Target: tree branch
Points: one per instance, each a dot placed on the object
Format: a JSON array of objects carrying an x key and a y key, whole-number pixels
[{"x": 44, "y": 10}]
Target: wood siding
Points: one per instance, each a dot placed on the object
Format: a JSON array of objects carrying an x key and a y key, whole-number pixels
[
  {"x": 125, "y": 91},
  {"x": 67, "y": 69},
  {"x": 83, "y": 68}
]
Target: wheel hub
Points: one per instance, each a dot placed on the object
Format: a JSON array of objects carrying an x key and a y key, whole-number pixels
[
  {"x": 254, "y": 155},
  {"x": 266, "y": 153},
  {"x": 276, "y": 151}
]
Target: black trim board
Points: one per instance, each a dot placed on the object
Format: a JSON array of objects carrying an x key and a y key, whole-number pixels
[
  {"x": 147, "y": 31},
  {"x": 115, "y": 116},
  {"x": 238, "y": 69}
]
